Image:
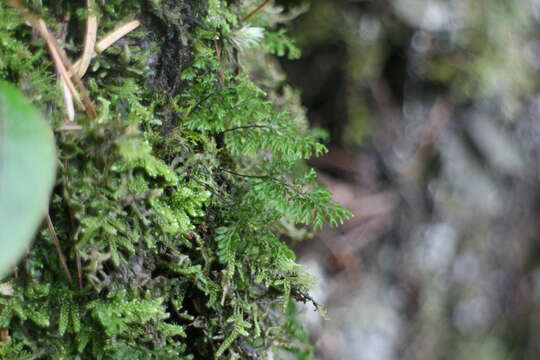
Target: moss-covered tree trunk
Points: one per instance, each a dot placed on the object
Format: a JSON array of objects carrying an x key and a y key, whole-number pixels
[{"x": 180, "y": 180}]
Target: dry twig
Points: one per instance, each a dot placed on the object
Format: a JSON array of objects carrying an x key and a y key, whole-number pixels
[
  {"x": 116, "y": 35},
  {"x": 68, "y": 100},
  {"x": 4, "y": 335},
  {"x": 61, "y": 256},
  {"x": 257, "y": 9},
  {"x": 79, "y": 268},
  {"x": 89, "y": 40},
  {"x": 89, "y": 43},
  {"x": 106, "y": 42},
  {"x": 59, "y": 58},
  {"x": 54, "y": 49},
  {"x": 69, "y": 126},
  {"x": 221, "y": 74},
  {"x": 61, "y": 35}
]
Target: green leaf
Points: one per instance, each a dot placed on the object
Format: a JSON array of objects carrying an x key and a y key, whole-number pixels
[{"x": 27, "y": 172}]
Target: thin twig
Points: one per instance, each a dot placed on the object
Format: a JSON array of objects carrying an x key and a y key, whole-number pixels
[
  {"x": 89, "y": 39},
  {"x": 57, "y": 60},
  {"x": 209, "y": 188},
  {"x": 4, "y": 335},
  {"x": 79, "y": 268},
  {"x": 56, "y": 242},
  {"x": 200, "y": 102},
  {"x": 69, "y": 126},
  {"x": 60, "y": 59},
  {"x": 68, "y": 100},
  {"x": 257, "y": 9},
  {"x": 116, "y": 35},
  {"x": 245, "y": 175},
  {"x": 107, "y": 41},
  {"x": 266, "y": 177},
  {"x": 68, "y": 97},
  {"x": 248, "y": 127},
  {"x": 221, "y": 74},
  {"x": 303, "y": 297},
  {"x": 72, "y": 227}
]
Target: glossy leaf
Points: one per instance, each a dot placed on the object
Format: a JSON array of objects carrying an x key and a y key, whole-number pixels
[{"x": 27, "y": 171}]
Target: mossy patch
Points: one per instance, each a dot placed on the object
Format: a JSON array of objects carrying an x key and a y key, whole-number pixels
[{"x": 170, "y": 205}]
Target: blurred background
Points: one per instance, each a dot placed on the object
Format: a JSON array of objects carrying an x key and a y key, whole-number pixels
[{"x": 433, "y": 109}]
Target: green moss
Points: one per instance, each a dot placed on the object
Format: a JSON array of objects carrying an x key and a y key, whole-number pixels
[{"x": 171, "y": 202}]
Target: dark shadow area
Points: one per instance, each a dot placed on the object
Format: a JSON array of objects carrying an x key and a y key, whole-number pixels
[{"x": 432, "y": 108}]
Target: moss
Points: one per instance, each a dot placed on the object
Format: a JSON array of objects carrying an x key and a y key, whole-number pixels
[{"x": 172, "y": 206}]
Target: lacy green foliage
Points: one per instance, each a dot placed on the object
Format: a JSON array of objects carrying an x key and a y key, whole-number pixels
[{"x": 178, "y": 224}]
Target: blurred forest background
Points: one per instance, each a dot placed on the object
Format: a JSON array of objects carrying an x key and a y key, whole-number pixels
[{"x": 432, "y": 107}]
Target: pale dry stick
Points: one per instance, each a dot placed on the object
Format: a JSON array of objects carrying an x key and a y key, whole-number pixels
[
  {"x": 108, "y": 40},
  {"x": 68, "y": 98},
  {"x": 116, "y": 35},
  {"x": 89, "y": 39},
  {"x": 224, "y": 295},
  {"x": 57, "y": 60},
  {"x": 89, "y": 44},
  {"x": 56, "y": 242},
  {"x": 88, "y": 105},
  {"x": 60, "y": 59},
  {"x": 81, "y": 65},
  {"x": 69, "y": 126}
]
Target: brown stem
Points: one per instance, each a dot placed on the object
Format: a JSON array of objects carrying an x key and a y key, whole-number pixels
[
  {"x": 79, "y": 269},
  {"x": 4, "y": 335},
  {"x": 245, "y": 175},
  {"x": 61, "y": 256},
  {"x": 257, "y": 9},
  {"x": 59, "y": 57},
  {"x": 221, "y": 74},
  {"x": 248, "y": 127}
]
